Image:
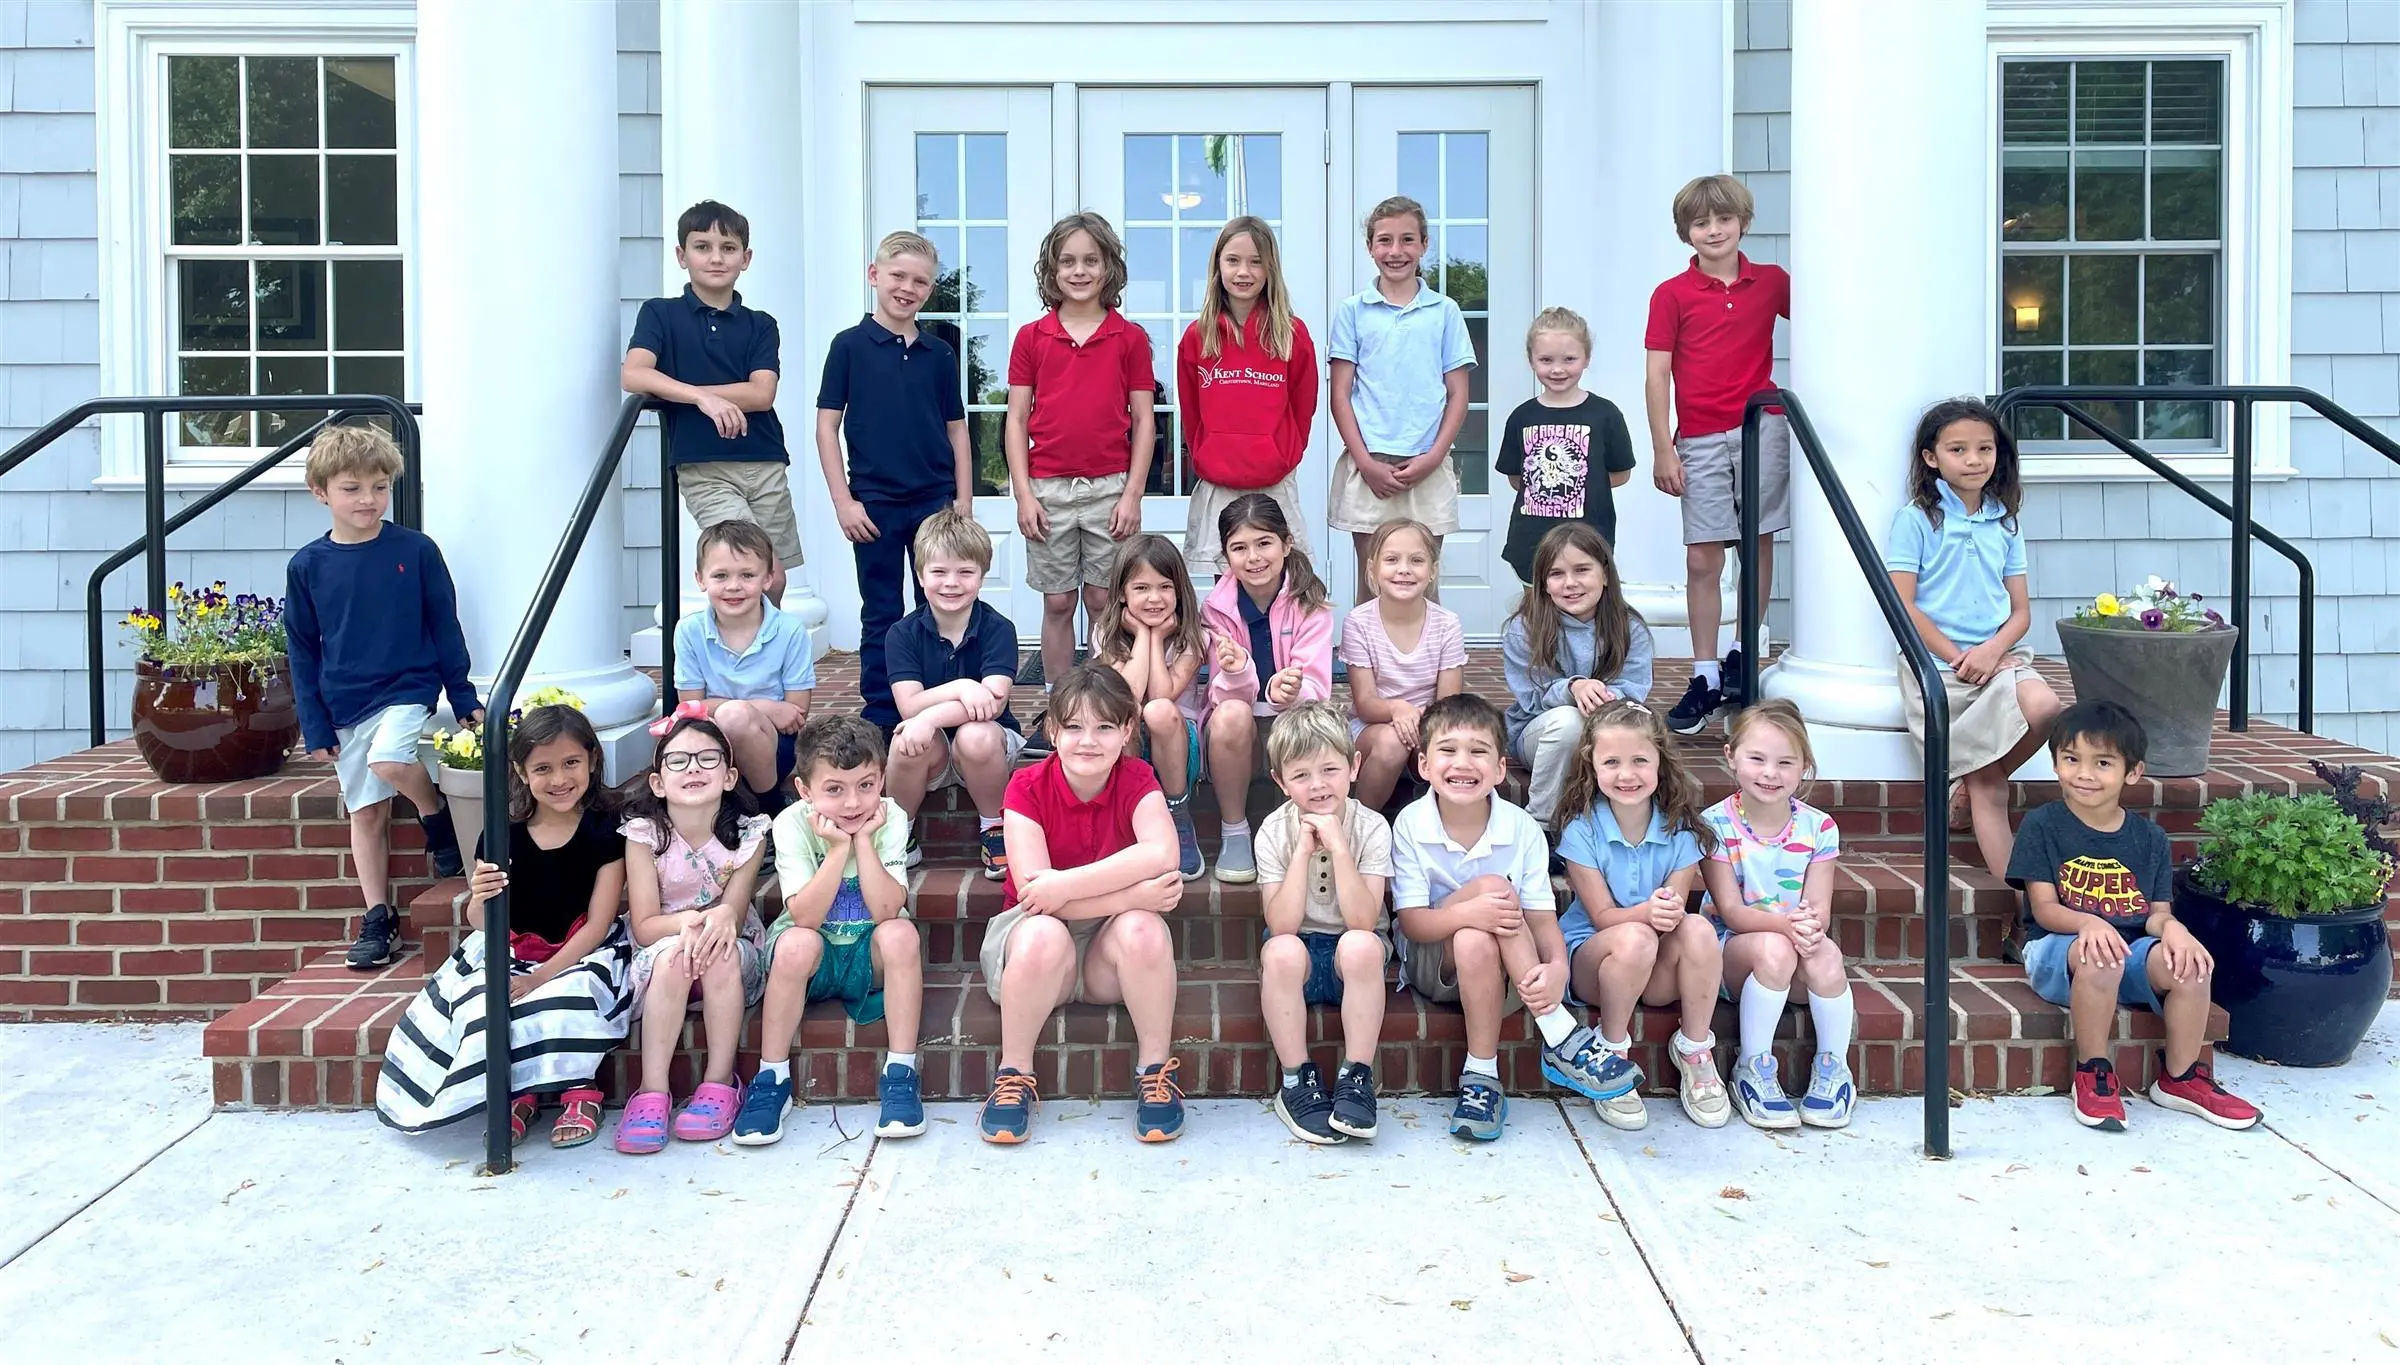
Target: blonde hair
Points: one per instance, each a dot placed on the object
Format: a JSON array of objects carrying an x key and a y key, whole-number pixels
[
  {"x": 1112, "y": 259},
  {"x": 1112, "y": 638},
  {"x": 1312, "y": 727},
  {"x": 1398, "y": 206},
  {"x": 1780, "y": 714},
  {"x": 1678, "y": 797},
  {"x": 1565, "y": 322},
  {"x": 1383, "y": 536},
  {"x": 340, "y": 450},
  {"x": 1709, "y": 196},
  {"x": 951, "y": 534},
  {"x": 1274, "y": 300},
  {"x": 906, "y": 243}
]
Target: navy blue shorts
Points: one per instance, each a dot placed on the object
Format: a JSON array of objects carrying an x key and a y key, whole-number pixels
[
  {"x": 1324, "y": 983},
  {"x": 787, "y": 756}
]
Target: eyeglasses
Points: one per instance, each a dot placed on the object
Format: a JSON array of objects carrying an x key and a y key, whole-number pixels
[{"x": 682, "y": 759}]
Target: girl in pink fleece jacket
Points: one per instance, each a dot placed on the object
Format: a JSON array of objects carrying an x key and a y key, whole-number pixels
[{"x": 1270, "y": 641}]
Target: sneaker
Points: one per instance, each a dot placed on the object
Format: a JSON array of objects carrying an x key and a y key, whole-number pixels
[
  {"x": 1758, "y": 1092},
  {"x": 993, "y": 845},
  {"x": 1187, "y": 840},
  {"x": 916, "y": 851},
  {"x": 903, "y": 1113},
  {"x": 2196, "y": 1092},
  {"x": 1037, "y": 735},
  {"x": 1480, "y": 1110},
  {"x": 1625, "y": 1112},
  {"x": 1702, "y": 1090},
  {"x": 378, "y": 940},
  {"x": 1306, "y": 1109},
  {"x": 1008, "y": 1110},
  {"x": 1582, "y": 1065},
  {"x": 1832, "y": 1093},
  {"x": 1158, "y": 1110},
  {"x": 1730, "y": 670},
  {"x": 1700, "y": 701},
  {"x": 2099, "y": 1098},
  {"x": 441, "y": 843},
  {"x": 764, "y": 1100},
  {"x": 1236, "y": 865},
  {"x": 1354, "y": 1100}
]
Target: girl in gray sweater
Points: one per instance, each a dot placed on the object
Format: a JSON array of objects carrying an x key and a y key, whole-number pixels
[{"x": 1573, "y": 644}]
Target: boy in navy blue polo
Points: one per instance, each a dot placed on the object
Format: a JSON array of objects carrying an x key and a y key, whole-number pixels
[
  {"x": 953, "y": 660},
  {"x": 718, "y": 363},
  {"x": 896, "y": 390}
]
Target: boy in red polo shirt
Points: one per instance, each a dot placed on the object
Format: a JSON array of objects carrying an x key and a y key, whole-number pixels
[
  {"x": 1080, "y": 428},
  {"x": 1091, "y": 871},
  {"x": 1712, "y": 341}
]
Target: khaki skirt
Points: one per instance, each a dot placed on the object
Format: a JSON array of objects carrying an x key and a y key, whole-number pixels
[{"x": 1986, "y": 720}]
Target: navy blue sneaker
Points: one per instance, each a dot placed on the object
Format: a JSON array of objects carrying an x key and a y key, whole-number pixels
[
  {"x": 1736, "y": 695},
  {"x": 1582, "y": 1065},
  {"x": 1480, "y": 1110},
  {"x": 1008, "y": 1110},
  {"x": 903, "y": 1112},
  {"x": 1700, "y": 701},
  {"x": 760, "y": 1122},
  {"x": 378, "y": 940},
  {"x": 1158, "y": 1113},
  {"x": 441, "y": 843}
]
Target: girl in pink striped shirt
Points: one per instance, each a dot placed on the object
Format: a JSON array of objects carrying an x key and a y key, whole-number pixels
[{"x": 1404, "y": 650}]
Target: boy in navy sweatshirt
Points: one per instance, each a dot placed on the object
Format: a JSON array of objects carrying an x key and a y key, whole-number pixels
[{"x": 371, "y": 623}]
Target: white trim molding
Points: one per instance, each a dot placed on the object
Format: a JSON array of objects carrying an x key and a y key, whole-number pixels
[
  {"x": 2253, "y": 38},
  {"x": 134, "y": 38}
]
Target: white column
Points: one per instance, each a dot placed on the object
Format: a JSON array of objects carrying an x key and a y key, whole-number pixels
[
  {"x": 1889, "y": 163},
  {"x": 1658, "y": 76},
  {"x": 517, "y": 263},
  {"x": 731, "y": 94}
]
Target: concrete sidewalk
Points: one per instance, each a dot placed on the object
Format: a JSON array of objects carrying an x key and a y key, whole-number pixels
[{"x": 135, "y": 1226}]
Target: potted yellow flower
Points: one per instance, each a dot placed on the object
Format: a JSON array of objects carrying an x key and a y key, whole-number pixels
[
  {"x": 2162, "y": 655},
  {"x": 212, "y": 693},
  {"x": 459, "y": 758}
]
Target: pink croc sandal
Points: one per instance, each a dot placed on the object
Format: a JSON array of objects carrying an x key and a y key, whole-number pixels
[
  {"x": 709, "y": 1114},
  {"x": 642, "y": 1129}
]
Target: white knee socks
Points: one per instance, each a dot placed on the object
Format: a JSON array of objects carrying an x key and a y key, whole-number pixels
[
  {"x": 1762, "y": 1007},
  {"x": 1832, "y": 1015}
]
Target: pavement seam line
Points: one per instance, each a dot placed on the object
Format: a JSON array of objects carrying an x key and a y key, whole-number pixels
[
  {"x": 2302, "y": 1148},
  {"x": 1689, "y": 1343},
  {"x": 113, "y": 1186},
  {"x": 790, "y": 1343}
]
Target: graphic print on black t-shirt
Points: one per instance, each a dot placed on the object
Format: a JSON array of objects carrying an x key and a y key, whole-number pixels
[
  {"x": 1557, "y": 461},
  {"x": 2103, "y": 887}
]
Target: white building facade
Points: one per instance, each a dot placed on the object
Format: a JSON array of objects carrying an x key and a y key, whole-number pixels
[{"x": 464, "y": 203}]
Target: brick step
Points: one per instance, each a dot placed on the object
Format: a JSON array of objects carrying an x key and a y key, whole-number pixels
[{"x": 317, "y": 1038}]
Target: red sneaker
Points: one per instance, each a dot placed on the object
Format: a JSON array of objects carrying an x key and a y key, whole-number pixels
[
  {"x": 2196, "y": 1092},
  {"x": 2099, "y": 1099}
]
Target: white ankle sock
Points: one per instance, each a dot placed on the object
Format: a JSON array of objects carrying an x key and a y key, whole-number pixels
[
  {"x": 1486, "y": 1067},
  {"x": 985, "y": 823},
  {"x": 1762, "y": 1008},
  {"x": 781, "y": 1071},
  {"x": 1710, "y": 671},
  {"x": 1234, "y": 828},
  {"x": 1557, "y": 1026},
  {"x": 1831, "y": 1014}
]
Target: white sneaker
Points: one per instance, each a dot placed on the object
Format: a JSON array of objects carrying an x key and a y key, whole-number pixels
[
  {"x": 1831, "y": 1093},
  {"x": 1759, "y": 1092},
  {"x": 1626, "y": 1112},
  {"x": 1702, "y": 1091}
]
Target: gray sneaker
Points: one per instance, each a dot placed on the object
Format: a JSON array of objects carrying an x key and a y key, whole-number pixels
[
  {"x": 1187, "y": 839},
  {"x": 1481, "y": 1109},
  {"x": 1626, "y": 1112},
  {"x": 1236, "y": 866}
]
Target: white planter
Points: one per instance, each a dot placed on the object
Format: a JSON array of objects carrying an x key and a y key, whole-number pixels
[{"x": 463, "y": 790}]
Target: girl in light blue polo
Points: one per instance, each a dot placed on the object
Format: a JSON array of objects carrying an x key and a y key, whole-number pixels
[
  {"x": 1958, "y": 561},
  {"x": 1632, "y": 840}
]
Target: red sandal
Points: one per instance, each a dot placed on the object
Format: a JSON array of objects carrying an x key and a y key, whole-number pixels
[
  {"x": 520, "y": 1116},
  {"x": 579, "y": 1122}
]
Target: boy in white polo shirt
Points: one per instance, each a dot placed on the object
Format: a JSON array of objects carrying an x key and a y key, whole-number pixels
[
  {"x": 1400, "y": 354},
  {"x": 1471, "y": 878}
]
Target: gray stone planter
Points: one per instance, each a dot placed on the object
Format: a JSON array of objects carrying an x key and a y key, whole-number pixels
[{"x": 2169, "y": 681}]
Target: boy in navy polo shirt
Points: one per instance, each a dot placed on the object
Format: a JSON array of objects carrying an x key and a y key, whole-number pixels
[
  {"x": 896, "y": 391},
  {"x": 719, "y": 362},
  {"x": 953, "y": 661},
  {"x": 1711, "y": 340}
]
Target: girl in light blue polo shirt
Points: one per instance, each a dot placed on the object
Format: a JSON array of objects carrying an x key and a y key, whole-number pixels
[
  {"x": 1958, "y": 561},
  {"x": 1632, "y": 840}
]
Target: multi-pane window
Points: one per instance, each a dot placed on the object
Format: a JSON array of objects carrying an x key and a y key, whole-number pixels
[
  {"x": 1180, "y": 189},
  {"x": 2112, "y": 213},
  {"x": 962, "y": 208},
  {"x": 1449, "y": 174},
  {"x": 283, "y": 256}
]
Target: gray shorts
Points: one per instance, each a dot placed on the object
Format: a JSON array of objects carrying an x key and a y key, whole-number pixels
[
  {"x": 1079, "y": 551},
  {"x": 1712, "y": 482},
  {"x": 1431, "y": 972},
  {"x": 386, "y": 736}
]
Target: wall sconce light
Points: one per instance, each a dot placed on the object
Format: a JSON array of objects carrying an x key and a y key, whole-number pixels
[
  {"x": 1186, "y": 199},
  {"x": 2029, "y": 317}
]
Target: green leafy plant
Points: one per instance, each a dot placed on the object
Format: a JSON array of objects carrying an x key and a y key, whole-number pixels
[{"x": 2292, "y": 856}]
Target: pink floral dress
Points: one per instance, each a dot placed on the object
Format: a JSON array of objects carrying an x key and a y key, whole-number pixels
[{"x": 694, "y": 879}]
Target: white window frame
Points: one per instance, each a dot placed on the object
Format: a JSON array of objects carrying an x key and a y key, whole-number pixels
[
  {"x": 2251, "y": 38},
  {"x": 137, "y": 299}
]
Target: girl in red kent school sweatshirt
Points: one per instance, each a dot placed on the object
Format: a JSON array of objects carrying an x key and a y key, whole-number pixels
[{"x": 1245, "y": 388}]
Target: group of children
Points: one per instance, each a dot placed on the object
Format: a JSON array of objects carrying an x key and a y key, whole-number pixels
[{"x": 1667, "y": 903}]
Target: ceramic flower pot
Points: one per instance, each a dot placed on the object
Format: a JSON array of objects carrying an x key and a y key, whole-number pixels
[
  {"x": 214, "y": 723},
  {"x": 462, "y": 788},
  {"x": 2169, "y": 680},
  {"x": 2296, "y": 992}
]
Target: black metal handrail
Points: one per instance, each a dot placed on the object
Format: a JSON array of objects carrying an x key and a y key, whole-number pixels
[
  {"x": 1934, "y": 1020},
  {"x": 408, "y": 496},
  {"x": 2069, "y": 398}
]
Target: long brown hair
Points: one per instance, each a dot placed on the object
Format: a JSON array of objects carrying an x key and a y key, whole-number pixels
[
  {"x": 1112, "y": 259},
  {"x": 1274, "y": 306},
  {"x": 1925, "y": 481},
  {"x": 1612, "y": 624},
  {"x": 1678, "y": 797},
  {"x": 1260, "y": 512},
  {"x": 1112, "y": 638}
]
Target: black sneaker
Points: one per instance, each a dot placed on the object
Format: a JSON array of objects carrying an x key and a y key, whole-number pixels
[
  {"x": 1037, "y": 735},
  {"x": 378, "y": 940},
  {"x": 1354, "y": 1100},
  {"x": 1737, "y": 696},
  {"x": 1700, "y": 701},
  {"x": 441, "y": 844},
  {"x": 1305, "y": 1109}
]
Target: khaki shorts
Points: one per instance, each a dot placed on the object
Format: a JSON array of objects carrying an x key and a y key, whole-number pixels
[
  {"x": 994, "y": 957},
  {"x": 1431, "y": 973},
  {"x": 1011, "y": 744},
  {"x": 1712, "y": 483},
  {"x": 1079, "y": 551},
  {"x": 1351, "y": 506},
  {"x": 1986, "y": 719},
  {"x": 1201, "y": 554},
  {"x": 744, "y": 490}
]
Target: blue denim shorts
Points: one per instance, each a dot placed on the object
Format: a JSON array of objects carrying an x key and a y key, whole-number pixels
[
  {"x": 1324, "y": 983},
  {"x": 2046, "y": 967}
]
